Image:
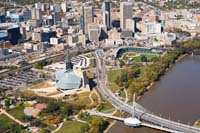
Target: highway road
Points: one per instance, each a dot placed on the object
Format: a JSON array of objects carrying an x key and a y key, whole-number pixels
[{"x": 140, "y": 113}]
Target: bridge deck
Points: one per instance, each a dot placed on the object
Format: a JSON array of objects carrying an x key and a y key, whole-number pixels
[
  {"x": 110, "y": 116},
  {"x": 140, "y": 113}
]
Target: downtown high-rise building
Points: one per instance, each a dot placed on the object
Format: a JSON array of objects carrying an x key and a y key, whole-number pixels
[
  {"x": 126, "y": 12},
  {"x": 56, "y": 13},
  {"x": 88, "y": 17},
  {"x": 106, "y": 7},
  {"x": 36, "y": 14}
]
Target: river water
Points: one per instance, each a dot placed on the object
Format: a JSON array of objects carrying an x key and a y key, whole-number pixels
[{"x": 176, "y": 96}]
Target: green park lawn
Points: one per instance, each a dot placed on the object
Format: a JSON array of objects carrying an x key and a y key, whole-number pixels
[
  {"x": 80, "y": 101},
  {"x": 17, "y": 112},
  {"x": 112, "y": 76},
  {"x": 150, "y": 56},
  {"x": 88, "y": 118},
  {"x": 137, "y": 58},
  {"x": 108, "y": 108},
  {"x": 71, "y": 127},
  {"x": 122, "y": 93},
  {"x": 5, "y": 121}
]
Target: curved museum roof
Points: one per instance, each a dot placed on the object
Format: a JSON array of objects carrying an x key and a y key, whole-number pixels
[{"x": 66, "y": 80}]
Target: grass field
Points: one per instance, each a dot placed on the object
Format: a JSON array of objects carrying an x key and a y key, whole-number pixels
[
  {"x": 113, "y": 87},
  {"x": 94, "y": 97},
  {"x": 83, "y": 94},
  {"x": 112, "y": 76},
  {"x": 80, "y": 101},
  {"x": 17, "y": 112},
  {"x": 137, "y": 57},
  {"x": 71, "y": 127},
  {"x": 42, "y": 85},
  {"x": 51, "y": 127},
  {"x": 89, "y": 118},
  {"x": 106, "y": 107},
  {"x": 122, "y": 93},
  {"x": 5, "y": 121}
]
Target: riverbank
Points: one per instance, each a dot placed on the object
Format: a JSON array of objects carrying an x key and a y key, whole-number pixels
[
  {"x": 166, "y": 70},
  {"x": 152, "y": 84},
  {"x": 197, "y": 124},
  {"x": 110, "y": 126},
  {"x": 176, "y": 96}
]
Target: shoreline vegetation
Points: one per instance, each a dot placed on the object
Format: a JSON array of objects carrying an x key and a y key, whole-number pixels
[
  {"x": 167, "y": 70},
  {"x": 170, "y": 59},
  {"x": 140, "y": 78}
]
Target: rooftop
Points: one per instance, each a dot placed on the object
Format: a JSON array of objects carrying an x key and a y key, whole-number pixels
[
  {"x": 67, "y": 80},
  {"x": 132, "y": 122},
  {"x": 6, "y": 25},
  {"x": 3, "y": 34}
]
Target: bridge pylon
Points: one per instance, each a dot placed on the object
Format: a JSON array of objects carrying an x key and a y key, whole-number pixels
[
  {"x": 132, "y": 121},
  {"x": 133, "y": 111}
]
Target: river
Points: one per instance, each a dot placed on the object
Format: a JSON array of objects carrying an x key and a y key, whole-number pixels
[{"x": 176, "y": 96}]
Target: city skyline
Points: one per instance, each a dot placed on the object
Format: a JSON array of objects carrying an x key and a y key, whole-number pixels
[{"x": 79, "y": 66}]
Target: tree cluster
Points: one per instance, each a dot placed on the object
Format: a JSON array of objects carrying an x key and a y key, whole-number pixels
[
  {"x": 41, "y": 64},
  {"x": 98, "y": 125},
  {"x": 11, "y": 128},
  {"x": 139, "y": 77}
]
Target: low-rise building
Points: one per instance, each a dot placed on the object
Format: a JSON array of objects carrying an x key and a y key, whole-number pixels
[
  {"x": 130, "y": 25},
  {"x": 28, "y": 45},
  {"x": 149, "y": 27},
  {"x": 36, "y": 37},
  {"x": 73, "y": 40},
  {"x": 55, "y": 41},
  {"x": 114, "y": 34}
]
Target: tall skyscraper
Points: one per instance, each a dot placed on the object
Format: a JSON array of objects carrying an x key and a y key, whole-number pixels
[
  {"x": 93, "y": 32},
  {"x": 106, "y": 13},
  {"x": 56, "y": 17},
  {"x": 88, "y": 17},
  {"x": 56, "y": 14},
  {"x": 125, "y": 13},
  {"x": 36, "y": 13}
]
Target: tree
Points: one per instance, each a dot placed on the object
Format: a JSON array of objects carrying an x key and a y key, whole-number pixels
[
  {"x": 121, "y": 63},
  {"x": 52, "y": 107},
  {"x": 27, "y": 118},
  {"x": 38, "y": 123},
  {"x": 23, "y": 63},
  {"x": 7, "y": 102},
  {"x": 98, "y": 125},
  {"x": 85, "y": 129},
  {"x": 68, "y": 110},
  {"x": 143, "y": 58}
]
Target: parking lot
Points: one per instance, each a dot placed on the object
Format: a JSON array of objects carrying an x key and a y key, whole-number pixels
[{"x": 22, "y": 81}]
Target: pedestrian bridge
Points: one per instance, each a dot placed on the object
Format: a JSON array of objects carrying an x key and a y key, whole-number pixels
[
  {"x": 153, "y": 120},
  {"x": 110, "y": 116}
]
